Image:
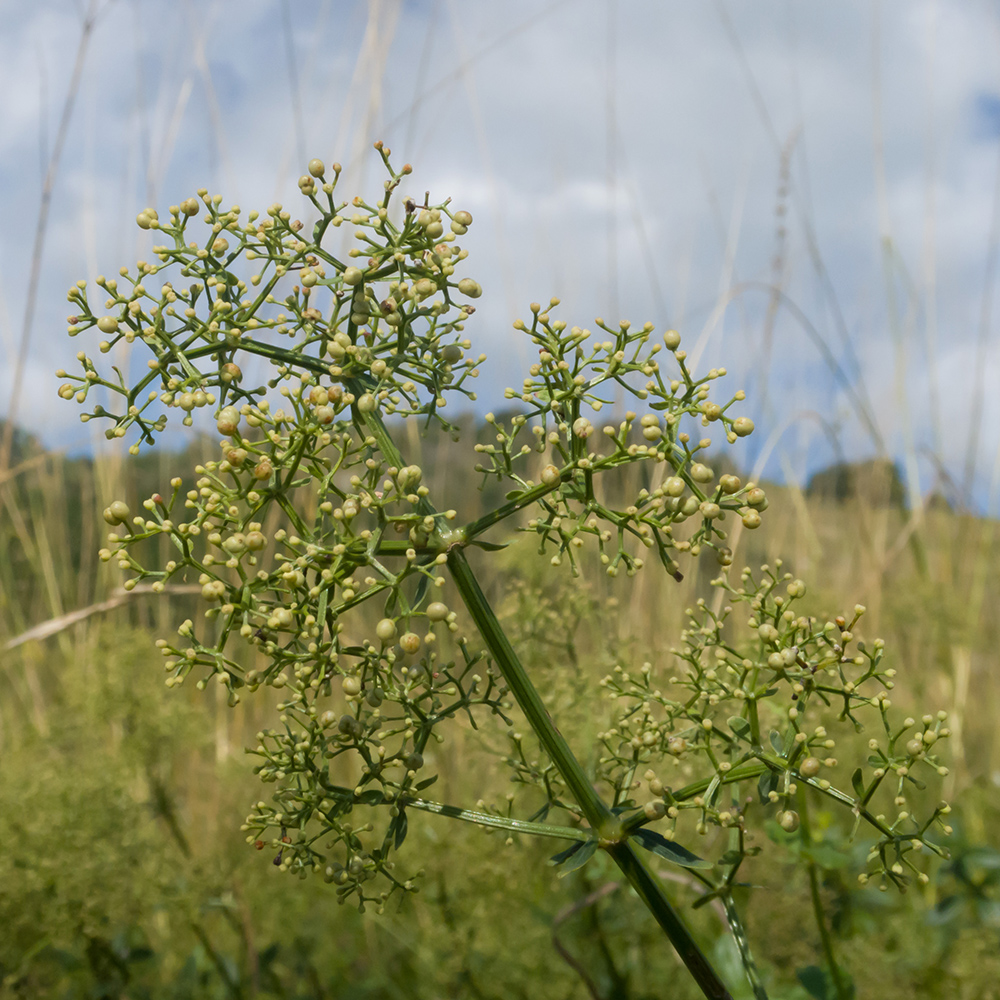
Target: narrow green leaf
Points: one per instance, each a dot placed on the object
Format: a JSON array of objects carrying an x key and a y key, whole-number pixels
[
  {"x": 575, "y": 857},
  {"x": 740, "y": 728},
  {"x": 707, "y": 898},
  {"x": 858, "y": 783},
  {"x": 401, "y": 826},
  {"x": 426, "y": 783},
  {"x": 489, "y": 546},
  {"x": 767, "y": 783},
  {"x": 558, "y": 859},
  {"x": 776, "y": 741},
  {"x": 669, "y": 849},
  {"x": 421, "y": 591}
]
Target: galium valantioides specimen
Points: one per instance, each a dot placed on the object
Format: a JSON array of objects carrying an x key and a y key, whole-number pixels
[{"x": 325, "y": 561}]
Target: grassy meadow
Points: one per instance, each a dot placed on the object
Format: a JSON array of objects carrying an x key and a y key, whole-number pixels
[{"x": 123, "y": 872}]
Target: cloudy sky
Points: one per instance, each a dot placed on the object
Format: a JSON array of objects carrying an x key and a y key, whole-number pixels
[{"x": 808, "y": 192}]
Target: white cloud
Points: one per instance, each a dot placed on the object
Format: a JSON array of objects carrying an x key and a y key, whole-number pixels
[{"x": 514, "y": 125}]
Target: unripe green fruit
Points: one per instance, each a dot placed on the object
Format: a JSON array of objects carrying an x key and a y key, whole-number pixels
[
  {"x": 756, "y": 497},
  {"x": 117, "y": 512},
  {"x": 351, "y": 686},
  {"x": 409, "y": 477},
  {"x": 367, "y": 403},
  {"x": 413, "y": 761},
  {"x": 914, "y": 747},
  {"x": 751, "y": 519},
  {"x": 435, "y": 230},
  {"x": 189, "y": 206},
  {"x": 309, "y": 278},
  {"x": 730, "y": 484},
  {"x": 701, "y": 473},
  {"x": 263, "y": 469},
  {"x": 409, "y": 642},
  {"x": 689, "y": 506},
  {"x": 353, "y": 276},
  {"x": 789, "y": 821},
  {"x": 742, "y": 426},
  {"x": 652, "y": 433},
  {"x": 255, "y": 541},
  {"x": 672, "y": 339},
  {"x": 386, "y": 630},
  {"x": 452, "y": 353},
  {"x": 107, "y": 324},
  {"x": 654, "y": 809},
  {"x": 810, "y": 767},
  {"x": 674, "y": 486},
  {"x": 550, "y": 475},
  {"x": 710, "y": 510},
  {"x": 463, "y": 218},
  {"x": 437, "y": 611},
  {"x": 316, "y": 168},
  {"x": 230, "y": 372},
  {"x": 349, "y": 726},
  {"x": 235, "y": 544},
  {"x": 470, "y": 288},
  {"x": 228, "y": 420}
]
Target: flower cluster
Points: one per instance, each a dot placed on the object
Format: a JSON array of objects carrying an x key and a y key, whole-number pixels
[
  {"x": 752, "y": 720},
  {"x": 333, "y": 583}
]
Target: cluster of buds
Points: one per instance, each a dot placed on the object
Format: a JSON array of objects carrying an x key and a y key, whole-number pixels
[
  {"x": 570, "y": 384},
  {"x": 746, "y": 726}
]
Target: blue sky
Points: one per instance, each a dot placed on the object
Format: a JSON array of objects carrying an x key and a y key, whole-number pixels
[{"x": 629, "y": 158}]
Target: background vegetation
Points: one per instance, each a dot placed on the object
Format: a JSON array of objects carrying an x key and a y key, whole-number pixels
[{"x": 123, "y": 872}]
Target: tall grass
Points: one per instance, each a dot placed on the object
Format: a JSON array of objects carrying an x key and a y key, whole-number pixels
[{"x": 121, "y": 802}]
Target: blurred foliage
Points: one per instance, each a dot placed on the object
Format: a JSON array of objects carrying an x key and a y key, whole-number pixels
[
  {"x": 876, "y": 481},
  {"x": 123, "y": 873}
]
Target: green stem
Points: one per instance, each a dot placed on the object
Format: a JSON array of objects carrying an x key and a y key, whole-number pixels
[
  {"x": 743, "y": 944},
  {"x": 602, "y": 821},
  {"x": 839, "y": 983},
  {"x": 497, "y": 822},
  {"x": 651, "y": 893},
  {"x": 591, "y": 804}
]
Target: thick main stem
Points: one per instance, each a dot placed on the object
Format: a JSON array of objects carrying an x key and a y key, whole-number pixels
[
  {"x": 606, "y": 826},
  {"x": 603, "y": 822}
]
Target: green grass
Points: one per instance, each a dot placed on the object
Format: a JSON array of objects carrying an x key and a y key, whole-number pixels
[{"x": 123, "y": 871}]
